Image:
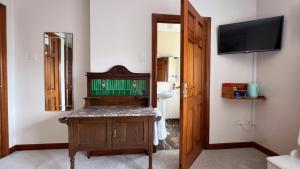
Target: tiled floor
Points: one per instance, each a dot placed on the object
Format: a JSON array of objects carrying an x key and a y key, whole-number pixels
[{"x": 172, "y": 141}]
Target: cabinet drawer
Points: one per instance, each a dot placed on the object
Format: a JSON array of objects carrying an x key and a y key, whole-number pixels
[{"x": 129, "y": 133}]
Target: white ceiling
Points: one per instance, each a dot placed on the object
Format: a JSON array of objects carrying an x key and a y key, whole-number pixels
[{"x": 167, "y": 27}]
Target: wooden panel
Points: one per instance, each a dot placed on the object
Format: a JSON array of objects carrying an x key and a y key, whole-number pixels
[
  {"x": 118, "y": 72},
  {"x": 189, "y": 137},
  {"x": 129, "y": 133},
  {"x": 194, "y": 78},
  {"x": 198, "y": 71},
  {"x": 191, "y": 23},
  {"x": 190, "y": 69},
  {"x": 94, "y": 133},
  {"x": 4, "y": 149},
  {"x": 198, "y": 122}
]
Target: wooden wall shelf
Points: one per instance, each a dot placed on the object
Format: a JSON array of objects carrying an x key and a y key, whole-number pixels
[
  {"x": 229, "y": 90},
  {"x": 259, "y": 98}
]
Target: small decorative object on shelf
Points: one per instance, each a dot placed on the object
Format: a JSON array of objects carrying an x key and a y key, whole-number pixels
[{"x": 239, "y": 91}]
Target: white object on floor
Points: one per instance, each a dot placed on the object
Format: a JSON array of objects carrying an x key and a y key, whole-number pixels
[
  {"x": 160, "y": 130},
  {"x": 296, "y": 153},
  {"x": 283, "y": 162}
]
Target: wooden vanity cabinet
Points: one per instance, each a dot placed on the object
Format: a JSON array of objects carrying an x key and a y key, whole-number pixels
[{"x": 113, "y": 133}]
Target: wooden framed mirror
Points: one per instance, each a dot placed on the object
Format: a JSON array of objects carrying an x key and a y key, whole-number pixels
[{"x": 58, "y": 59}]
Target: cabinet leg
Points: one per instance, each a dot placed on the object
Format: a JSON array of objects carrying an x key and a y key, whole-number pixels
[
  {"x": 150, "y": 161},
  {"x": 72, "y": 160},
  {"x": 150, "y": 152}
]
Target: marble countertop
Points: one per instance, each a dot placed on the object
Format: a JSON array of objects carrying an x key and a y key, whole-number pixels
[{"x": 113, "y": 111}]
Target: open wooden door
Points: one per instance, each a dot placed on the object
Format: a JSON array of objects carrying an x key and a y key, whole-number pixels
[
  {"x": 52, "y": 61},
  {"x": 195, "y": 46}
]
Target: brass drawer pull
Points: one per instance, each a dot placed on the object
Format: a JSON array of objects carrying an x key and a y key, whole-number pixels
[{"x": 115, "y": 133}]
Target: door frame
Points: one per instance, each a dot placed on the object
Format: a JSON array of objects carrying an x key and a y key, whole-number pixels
[
  {"x": 158, "y": 18},
  {"x": 176, "y": 19},
  {"x": 3, "y": 89}
]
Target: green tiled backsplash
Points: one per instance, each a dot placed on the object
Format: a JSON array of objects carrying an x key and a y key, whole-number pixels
[{"x": 101, "y": 87}]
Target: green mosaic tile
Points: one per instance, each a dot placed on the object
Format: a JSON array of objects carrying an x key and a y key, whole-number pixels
[{"x": 104, "y": 87}]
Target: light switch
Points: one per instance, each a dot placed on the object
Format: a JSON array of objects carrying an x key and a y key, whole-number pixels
[{"x": 141, "y": 58}]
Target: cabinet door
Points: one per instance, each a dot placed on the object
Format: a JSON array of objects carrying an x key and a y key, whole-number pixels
[
  {"x": 94, "y": 134},
  {"x": 129, "y": 133}
]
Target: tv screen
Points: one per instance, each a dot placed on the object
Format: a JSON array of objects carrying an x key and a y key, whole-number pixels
[{"x": 251, "y": 36}]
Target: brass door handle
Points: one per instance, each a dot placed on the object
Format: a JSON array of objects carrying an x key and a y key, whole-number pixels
[{"x": 186, "y": 88}]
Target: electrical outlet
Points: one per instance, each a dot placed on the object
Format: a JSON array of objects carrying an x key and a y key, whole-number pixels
[{"x": 245, "y": 123}]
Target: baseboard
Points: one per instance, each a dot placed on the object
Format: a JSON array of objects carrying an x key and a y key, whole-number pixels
[
  {"x": 230, "y": 145},
  {"x": 23, "y": 147},
  {"x": 264, "y": 150},
  {"x": 255, "y": 145}
]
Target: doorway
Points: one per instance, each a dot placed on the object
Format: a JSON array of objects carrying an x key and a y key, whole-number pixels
[
  {"x": 166, "y": 76},
  {"x": 3, "y": 85}
]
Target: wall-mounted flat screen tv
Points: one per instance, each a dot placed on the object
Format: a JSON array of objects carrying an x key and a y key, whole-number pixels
[{"x": 251, "y": 36}]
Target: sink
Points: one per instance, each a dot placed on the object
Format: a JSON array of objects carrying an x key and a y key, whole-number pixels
[
  {"x": 165, "y": 94},
  {"x": 162, "y": 97}
]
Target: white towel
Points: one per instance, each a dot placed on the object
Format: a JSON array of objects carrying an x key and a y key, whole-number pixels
[{"x": 160, "y": 130}]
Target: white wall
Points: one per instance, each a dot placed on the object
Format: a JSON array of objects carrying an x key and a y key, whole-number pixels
[
  {"x": 32, "y": 18},
  {"x": 121, "y": 34},
  {"x": 11, "y": 70},
  {"x": 168, "y": 44},
  {"x": 228, "y": 68},
  {"x": 278, "y": 119}
]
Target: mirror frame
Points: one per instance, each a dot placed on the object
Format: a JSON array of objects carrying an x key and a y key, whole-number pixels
[{"x": 69, "y": 86}]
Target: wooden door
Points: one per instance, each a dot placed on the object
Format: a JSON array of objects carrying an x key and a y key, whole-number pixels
[
  {"x": 3, "y": 85},
  {"x": 162, "y": 69},
  {"x": 194, "y": 69},
  {"x": 52, "y": 59}
]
